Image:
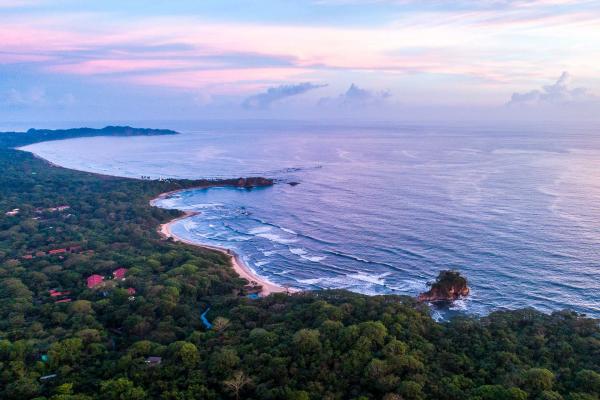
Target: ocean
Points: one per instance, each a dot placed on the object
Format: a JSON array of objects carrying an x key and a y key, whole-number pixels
[{"x": 382, "y": 208}]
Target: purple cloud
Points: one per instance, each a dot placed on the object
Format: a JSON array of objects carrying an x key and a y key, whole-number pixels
[
  {"x": 264, "y": 100},
  {"x": 356, "y": 96},
  {"x": 559, "y": 92}
]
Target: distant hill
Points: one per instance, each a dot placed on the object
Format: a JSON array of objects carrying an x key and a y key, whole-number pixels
[{"x": 17, "y": 139}]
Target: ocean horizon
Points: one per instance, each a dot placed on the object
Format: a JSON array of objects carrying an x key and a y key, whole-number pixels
[{"x": 381, "y": 209}]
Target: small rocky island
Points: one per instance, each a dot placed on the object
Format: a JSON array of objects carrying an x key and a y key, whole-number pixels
[
  {"x": 251, "y": 182},
  {"x": 448, "y": 286}
]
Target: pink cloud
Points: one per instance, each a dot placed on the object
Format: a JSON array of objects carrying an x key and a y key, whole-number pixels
[
  {"x": 244, "y": 78},
  {"x": 476, "y": 44},
  {"x": 8, "y": 58},
  {"x": 108, "y": 66}
]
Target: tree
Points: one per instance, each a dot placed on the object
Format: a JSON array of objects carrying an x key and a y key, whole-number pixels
[
  {"x": 497, "y": 392},
  {"x": 237, "y": 382},
  {"x": 537, "y": 380},
  {"x": 307, "y": 341},
  {"x": 188, "y": 354},
  {"x": 220, "y": 324},
  {"x": 588, "y": 381},
  {"x": 549, "y": 395},
  {"x": 121, "y": 389},
  {"x": 223, "y": 361}
]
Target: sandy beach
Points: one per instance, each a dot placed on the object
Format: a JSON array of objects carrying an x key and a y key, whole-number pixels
[{"x": 238, "y": 265}]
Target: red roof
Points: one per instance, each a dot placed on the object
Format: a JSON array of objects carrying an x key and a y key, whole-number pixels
[
  {"x": 63, "y": 301},
  {"x": 131, "y": 291},
  {"x": 56, "y": 293},
  {"x": 57, "y": 251},
  {"x": 28, "y": 256},
  {"x": 119, "y": 273},
  {"x": 94, "y": 280}
]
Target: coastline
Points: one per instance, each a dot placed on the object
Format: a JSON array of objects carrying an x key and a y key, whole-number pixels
[
  {"x": 165, "y": 231},
  {"x": 235, "y": 260}
]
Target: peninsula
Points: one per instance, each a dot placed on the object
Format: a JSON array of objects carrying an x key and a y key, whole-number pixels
[{"x": 18, "y": 139}]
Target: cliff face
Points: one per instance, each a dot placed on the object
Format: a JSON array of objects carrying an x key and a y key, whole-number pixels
[{"x": 449, "y": 286}]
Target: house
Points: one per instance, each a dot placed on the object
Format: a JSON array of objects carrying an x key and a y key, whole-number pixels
[
  {"x": 47, "y": 377},
  {"x": 56, "y": 293},
  {"x": 63, "y": 301},
  {"x": 153, "y": 360},
  {"x": 94, "y": 280},
  {"x": 57, "y": 251},
  {"x": 12, "y": 212},
  {"x": 119, "y": 273},
  {"x": 27, "y": 257},
  {"x": 58, "y": 208},
  {"x": 131, "y": 291}
]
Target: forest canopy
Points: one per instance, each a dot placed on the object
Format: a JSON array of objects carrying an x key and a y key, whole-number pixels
[{"x": 141, "y": 335}]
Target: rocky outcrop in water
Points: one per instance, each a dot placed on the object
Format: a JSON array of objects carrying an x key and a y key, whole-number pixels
[
  {"x": 448, "y": 286},
  {"x": 253, "y": 182}
]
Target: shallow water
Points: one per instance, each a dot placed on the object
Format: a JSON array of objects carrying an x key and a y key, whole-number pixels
[{"x": 381, "y": 209}]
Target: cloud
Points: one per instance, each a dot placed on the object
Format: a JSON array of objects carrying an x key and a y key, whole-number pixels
[
  {"x": 560, "y": 92},
  {"x": 19, "y": 3},
  {"x": 35, "y": 97},
  {"x": 14, "y": 98},
  {"x": 263, "y": 100},
  {"x": 356, "y": 97}
]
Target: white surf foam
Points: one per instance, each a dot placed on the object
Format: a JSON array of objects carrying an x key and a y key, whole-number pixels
[
  {"x": 190, "y": 225},
  {"x": 276, "y": 238},
  {"x": 259, "y": 229},
  {"x": 374, "y": 279},
  {"x": 314, "y": 258},
  {"x": 204, "y": 206},
  {"x": 310, "y": 281},
  {"x": 297, "y": 251}
]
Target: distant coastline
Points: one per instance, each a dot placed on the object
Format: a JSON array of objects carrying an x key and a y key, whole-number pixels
[
  {"x": 19, "y": 139},
  {"x": 165, "y": 230}
]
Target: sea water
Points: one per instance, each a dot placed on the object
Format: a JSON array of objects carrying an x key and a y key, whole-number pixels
[{"x": 382, "y": 208}]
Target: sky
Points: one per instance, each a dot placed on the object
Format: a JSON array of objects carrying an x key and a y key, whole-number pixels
[{"x": 302, "y": 59}]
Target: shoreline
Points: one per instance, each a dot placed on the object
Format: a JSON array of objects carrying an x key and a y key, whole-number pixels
[
  {"x": 164, "y": 230},
  {"x": 235, "y": 260}
]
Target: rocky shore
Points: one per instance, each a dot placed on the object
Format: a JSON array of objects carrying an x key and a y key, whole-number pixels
[{"x": 448, "y": 286}]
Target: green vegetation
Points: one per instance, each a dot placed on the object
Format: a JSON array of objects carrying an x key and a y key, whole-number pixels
[
  {"x": 17, "y": 139},
  {"x": 320, "y": 345},
  {"x": 449, "y": 285},
  {"x": 449, "y": 279}
]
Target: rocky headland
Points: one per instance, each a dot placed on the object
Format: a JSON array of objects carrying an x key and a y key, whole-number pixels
[{"x": 448, "y": 286}]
